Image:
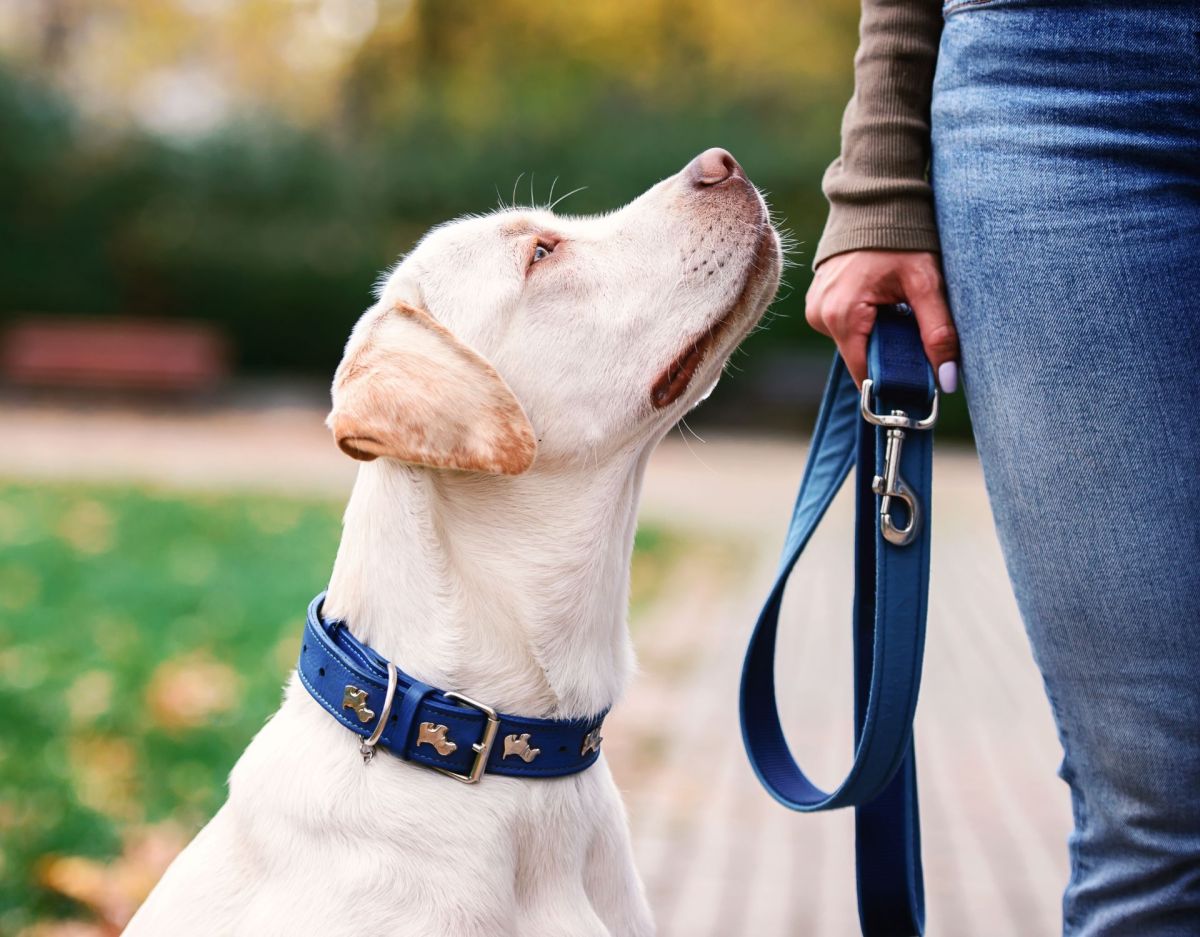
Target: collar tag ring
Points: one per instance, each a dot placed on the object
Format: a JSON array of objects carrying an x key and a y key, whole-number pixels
[{"x": 367, "y": 746}]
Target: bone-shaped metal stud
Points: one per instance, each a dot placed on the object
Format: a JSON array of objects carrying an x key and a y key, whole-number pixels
[
  {"x": 356, "y": 699},
  {"x": 435, "y": 735},
  {"x": 519, "y": 746},
  {"x": 591, "y": 741}
]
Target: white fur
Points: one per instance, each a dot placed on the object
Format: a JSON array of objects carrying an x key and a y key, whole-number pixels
[{"x": 510, "y": 588}]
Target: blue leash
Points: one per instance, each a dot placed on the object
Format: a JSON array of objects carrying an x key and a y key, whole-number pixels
[{"x": 891, "y": 573}]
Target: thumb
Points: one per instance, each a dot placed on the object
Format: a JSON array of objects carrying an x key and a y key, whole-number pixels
[{"x": 938, "y": 335}]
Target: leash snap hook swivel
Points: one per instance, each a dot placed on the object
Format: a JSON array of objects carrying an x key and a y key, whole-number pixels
[{"x": 890, "y": 486}]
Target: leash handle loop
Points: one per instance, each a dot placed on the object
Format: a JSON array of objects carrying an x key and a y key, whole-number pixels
[{"x": 892, "y": 450}]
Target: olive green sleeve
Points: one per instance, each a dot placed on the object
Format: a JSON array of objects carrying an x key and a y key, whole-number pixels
[{"x": 878, "y": 188}]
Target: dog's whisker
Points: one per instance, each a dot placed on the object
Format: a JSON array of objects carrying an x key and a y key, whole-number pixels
[
  {"x": 684, "y": 423},
  {"x": 562, "y": 198},
  {"x": 679, "y": 426}
]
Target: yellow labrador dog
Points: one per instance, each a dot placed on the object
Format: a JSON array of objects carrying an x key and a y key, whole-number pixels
[{"x": 504, "y": 393}]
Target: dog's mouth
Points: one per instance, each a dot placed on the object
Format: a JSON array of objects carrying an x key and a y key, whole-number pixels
[
  {"x": 679, "y": 373},
  {"x": 677, "y": 377}
]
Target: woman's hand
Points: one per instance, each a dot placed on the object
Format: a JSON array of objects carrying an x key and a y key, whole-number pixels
[{"x": 847, "y": 287}]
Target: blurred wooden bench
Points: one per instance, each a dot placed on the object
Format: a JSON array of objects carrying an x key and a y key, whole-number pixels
[{"x": 114, "y": 354}]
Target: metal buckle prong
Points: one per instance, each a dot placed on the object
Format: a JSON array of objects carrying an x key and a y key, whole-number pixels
[
  {"x": 483, "y": 747},
  {"x": 891, "y": 485}
]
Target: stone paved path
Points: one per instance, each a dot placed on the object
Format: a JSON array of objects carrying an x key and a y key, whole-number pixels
[{"x": 719, "y": 857}]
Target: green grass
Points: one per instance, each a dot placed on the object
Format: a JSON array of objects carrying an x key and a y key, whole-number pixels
[{"x": 144, "y": 638}]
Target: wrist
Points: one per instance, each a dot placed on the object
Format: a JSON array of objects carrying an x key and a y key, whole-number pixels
[{"x": 913, "y": 239}]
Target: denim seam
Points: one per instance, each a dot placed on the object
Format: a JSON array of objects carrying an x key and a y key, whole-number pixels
[
  {"x": 955, "y": 6},
  {"x": 1078, "y": 864}
]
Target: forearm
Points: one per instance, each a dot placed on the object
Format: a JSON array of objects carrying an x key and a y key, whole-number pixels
[{"x": 878, "y": 190}]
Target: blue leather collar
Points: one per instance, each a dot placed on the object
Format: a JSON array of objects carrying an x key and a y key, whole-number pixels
[{"x": 429, "y": 726}]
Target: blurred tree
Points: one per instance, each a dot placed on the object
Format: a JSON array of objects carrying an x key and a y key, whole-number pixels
[{"x": 258, "y": 162}]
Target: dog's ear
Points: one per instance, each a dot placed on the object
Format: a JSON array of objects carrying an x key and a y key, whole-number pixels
[{"x": 409, "y": 390}]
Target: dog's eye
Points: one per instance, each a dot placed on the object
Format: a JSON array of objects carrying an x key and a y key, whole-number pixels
[{"x": 541, "y": 252}]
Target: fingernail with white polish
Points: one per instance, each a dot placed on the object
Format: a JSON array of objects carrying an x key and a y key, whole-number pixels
[{"x": 948, "y": 377}]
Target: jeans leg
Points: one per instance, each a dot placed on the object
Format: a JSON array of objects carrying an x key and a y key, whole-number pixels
[{"x": 1066, "y": 171}]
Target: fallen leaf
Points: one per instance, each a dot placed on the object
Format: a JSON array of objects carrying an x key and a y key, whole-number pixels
[
  {"x": 113, "y": 891},
  {"x": 69, "y": 929},
  {"x": 104, "y": 771},
  {"x": 185, "y": 692},
  {"x": 89, "y": 696},
  {"x": 88, "y": 527}
]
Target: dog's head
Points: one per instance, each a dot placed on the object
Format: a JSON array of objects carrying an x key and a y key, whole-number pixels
[{"x": 523, "y": 333}]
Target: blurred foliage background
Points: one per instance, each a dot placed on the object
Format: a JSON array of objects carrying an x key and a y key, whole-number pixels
[{"x": 257, "y": 163}]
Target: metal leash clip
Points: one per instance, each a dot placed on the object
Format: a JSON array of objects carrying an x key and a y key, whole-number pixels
[{"x": 891, "y": 485}]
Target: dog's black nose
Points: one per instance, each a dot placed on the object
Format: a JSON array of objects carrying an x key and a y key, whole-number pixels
[{"x": 713, "y": 167}]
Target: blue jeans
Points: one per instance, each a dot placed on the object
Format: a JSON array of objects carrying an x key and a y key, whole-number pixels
[{"x": 1066, "y": 174}]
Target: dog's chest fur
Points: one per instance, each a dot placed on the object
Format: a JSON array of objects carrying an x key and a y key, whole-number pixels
[
  {"x": 311, "y": 842},
  {"x": 314, "y": 841}
]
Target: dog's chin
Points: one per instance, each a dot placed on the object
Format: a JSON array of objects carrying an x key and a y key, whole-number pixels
[{"x": 761, "y": 276}]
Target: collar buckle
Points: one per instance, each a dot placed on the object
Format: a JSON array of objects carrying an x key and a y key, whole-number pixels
[{"x": 482, "y": 748}]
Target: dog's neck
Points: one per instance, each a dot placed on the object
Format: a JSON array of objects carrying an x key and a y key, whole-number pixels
[{"x": 513, "y": 591}]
